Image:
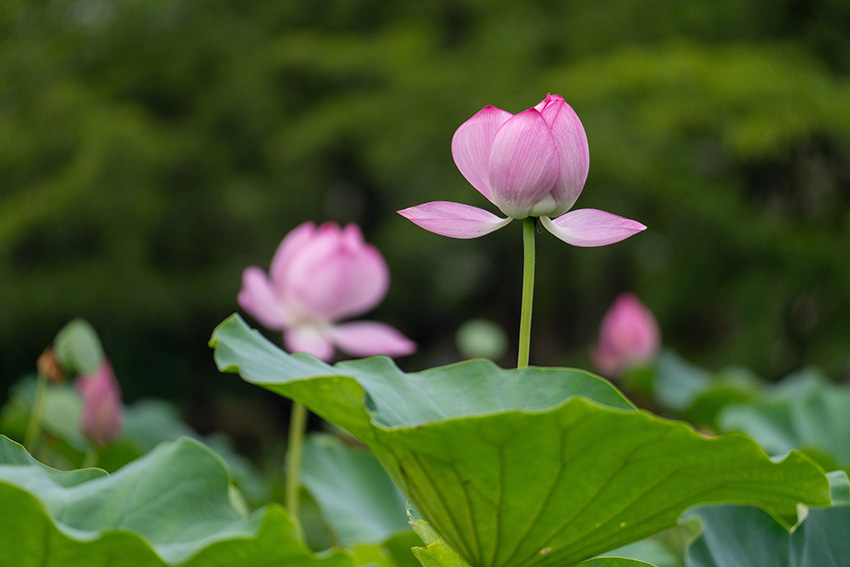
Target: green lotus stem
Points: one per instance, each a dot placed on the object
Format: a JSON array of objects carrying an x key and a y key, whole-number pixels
[
  {"x": 528, "y": 229},
  {"x": 297, "y": 427},
  {"x": 37, "y": 415}
]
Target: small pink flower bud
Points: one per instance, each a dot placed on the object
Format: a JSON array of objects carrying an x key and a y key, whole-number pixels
[
  {"x": 103, "y": 411},
  {"x": 628, "y": 335}
]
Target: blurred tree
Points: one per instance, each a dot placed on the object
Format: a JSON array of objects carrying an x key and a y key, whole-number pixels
[{"x": 149, "y": 150}]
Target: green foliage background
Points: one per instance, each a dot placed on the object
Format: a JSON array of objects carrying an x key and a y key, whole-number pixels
[{"x": 150, "y": 150}]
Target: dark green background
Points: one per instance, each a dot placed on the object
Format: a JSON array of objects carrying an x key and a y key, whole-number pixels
[{"x": 151, "y": 149}]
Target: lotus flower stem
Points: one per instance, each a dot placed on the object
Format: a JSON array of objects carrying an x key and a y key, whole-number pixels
[
  {"x": 297, "y": 427},
  {"x": 37, "y": 415},
  {"x": 528, "y": 229}
]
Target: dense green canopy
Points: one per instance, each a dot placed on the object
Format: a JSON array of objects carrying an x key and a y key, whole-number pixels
[{"x": 150, "y": 150}]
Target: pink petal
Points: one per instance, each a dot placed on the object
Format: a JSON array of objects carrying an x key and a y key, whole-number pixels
[
  {"x": 454, "y": 220},
  {"x": 573, "y": 154},
  {"x": 289, "y": 247},
  {"x": 336, "y": 275},
  {"x": 629, "y": 334},
  {"x": 103, "y": 412},
  {"x": 368, "y": 338},
  {"x": 368, "y": 277},
  {"x": 523, "y": 163},
  {"x": 310, "y": 340},
  {"x": 471, "y": 145},
  {"x": 591, "y": 227},
  {"x": 258, "y": 298}
]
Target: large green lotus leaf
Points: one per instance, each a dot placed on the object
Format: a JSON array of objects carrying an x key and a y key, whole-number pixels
[
  {"x": 171, "y": 507},
  {"x": 437, "y": 554},
  {"x": 357, "y": 499},
  {"x": 804, "y": 411},
  {"x": 506, "y": 464}
]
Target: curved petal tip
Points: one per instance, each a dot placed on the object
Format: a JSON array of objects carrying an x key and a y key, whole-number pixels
[
  {"x": 454, "y": 220},
  {"x": 591, "y": 227}
]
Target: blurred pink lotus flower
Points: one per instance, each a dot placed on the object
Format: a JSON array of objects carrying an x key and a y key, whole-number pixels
[
  {"x": 532, "y": 164},
  {"x": 103, "y": 412},
  {"x": 318, "y": 276},
  {"x": 628, "y": 336}
]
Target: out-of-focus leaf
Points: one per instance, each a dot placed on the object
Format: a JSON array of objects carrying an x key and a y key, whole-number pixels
[
  {"x": 78, "y": 347},
  {"x": 741, "y": 535},
  {"x": 356, "y": 497},
  {"x": 614, "y": 562},
  {"x": 396, "y": 551},
  {"x": 170, "y": 507},
  {"x": 804, "y": 412},
  {"x": 655, "y": 550},
  {"x": 693, "y": 392}
]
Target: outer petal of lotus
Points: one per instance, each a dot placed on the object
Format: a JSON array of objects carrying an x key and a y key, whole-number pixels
[
  {"x": 454, "y": 220},
  {"x": 325, "y": 278},
  {"x": 573, "y": 152},
  {"x": 471, "y": 145},
  {"x": 367, "y": 272},
  {"x": 309, "y": 339},
  {"x": 524, "y": 165},
  {"x": 290, "y": 246},
  {"x": 259, "y": 298},
  {"x": 368, "y": 338},
  {"x": 591, "y": 227}
]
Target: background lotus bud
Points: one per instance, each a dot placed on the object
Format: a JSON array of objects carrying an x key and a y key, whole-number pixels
[
  {"x": 628, "y": 335},
  {"x": 103, "y": 411},
  {"x": 319, "y": 276}
]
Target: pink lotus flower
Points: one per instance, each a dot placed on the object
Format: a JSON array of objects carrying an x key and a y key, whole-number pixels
[
  {"x": 629, "y": 335},
  {"x": 103, "y": 412},
  {"x": 532, "y": 164},
  {"x": 319, "y": 276}
]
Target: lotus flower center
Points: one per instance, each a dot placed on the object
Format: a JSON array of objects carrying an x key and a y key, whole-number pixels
[{"x": 544, "y": 207}]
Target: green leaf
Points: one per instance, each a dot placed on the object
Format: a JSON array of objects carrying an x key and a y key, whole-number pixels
[
  {"x": 505, "y": 464},
  {"x": 741, "y": 535},
  {"x": 675, "y": 382},
  {"x": 614, "y": 562},
  {"x": 78, "y": 347},
  {"x": 804, "y": 412},
  {"x": 438, "y": 554},
  {"x": 170, "y": 507},
  {"x": 356, "y": 497},
  {"x": 663, "y": 550},
  {"x": 839, "y": 487},
  {"x": 394, "y": 552},
  {"x": 62, "y": 411},
  {"x": 692, "y": 391}
]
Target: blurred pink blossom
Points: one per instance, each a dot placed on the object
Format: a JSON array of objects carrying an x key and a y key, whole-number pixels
[
  {"x": 532, "y": 164},
  {"x": 628, "y": 335},
  {"x": 318, "y": 276},
  {"x": 103, "y": 412}
]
